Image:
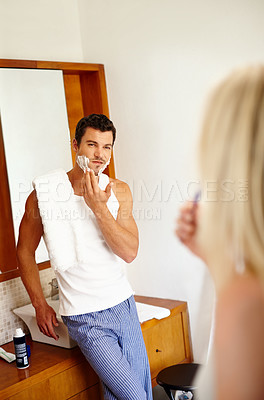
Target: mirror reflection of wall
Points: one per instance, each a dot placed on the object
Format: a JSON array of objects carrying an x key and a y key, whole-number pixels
[{"x": 35, "y": 132}]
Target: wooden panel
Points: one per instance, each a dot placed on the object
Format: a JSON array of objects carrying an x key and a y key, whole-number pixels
[
  {"x": 105, "y": 110},
  {"x": 165, "y": 344},
  {"x": 5, "y": 63},
  {"x": 74, "y": 103},
  {"x": 92, "y": 99},
  {"x": 41, "y": 391},
  {"x": 187, "y": 336},
  {"x": 93, "y": 393},
  {"x": 5, "y": 276},
  {"x": 8, "y": 259},
  {"x": 16, "y": 273},
  {"x": 45, "y": 390},
  {"x": 71, "y": 67},
  {"x": 68, "y": 66},
  {"x": 72, "y": 381},
  {"x": 45, "y": 361},
  {"x": 103, "y": 91}
]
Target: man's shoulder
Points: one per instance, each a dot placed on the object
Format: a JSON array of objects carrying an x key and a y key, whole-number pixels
[
  {"x": 117, "y": 182},
  {"x": 121, "y": 189},
  {"x": 31, "y": 207},
  {"x": 32, "y": 200}
]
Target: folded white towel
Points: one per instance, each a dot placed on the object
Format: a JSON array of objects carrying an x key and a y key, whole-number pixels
[
  {"x": 71, "y": 232},
  {"x": 54, "y": 193},
  {"x": 147, "y": 311}
]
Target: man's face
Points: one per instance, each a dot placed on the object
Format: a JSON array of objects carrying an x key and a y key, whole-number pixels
[{"x": 95, "y": 145}]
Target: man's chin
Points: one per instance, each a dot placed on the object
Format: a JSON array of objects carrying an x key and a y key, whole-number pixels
[
  {"x": 97, "y": 167},
  {"x": 96, "y": 170}
]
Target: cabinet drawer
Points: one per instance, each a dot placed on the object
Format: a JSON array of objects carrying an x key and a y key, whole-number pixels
[
  {"x": 93, "y": 393},
  {"x": 72, "y": 381},
  {"x": 165, "y": 343},
  {"x": 39, "y": 391},
  {"x": 61, "y": 386}
]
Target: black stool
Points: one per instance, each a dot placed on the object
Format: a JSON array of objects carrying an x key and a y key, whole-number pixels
[{"x": 177, "y": 377}]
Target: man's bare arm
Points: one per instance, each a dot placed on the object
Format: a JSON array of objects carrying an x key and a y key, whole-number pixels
[
  {"x": 30, "y": 233},
  {"x": 121, "y": 234}
]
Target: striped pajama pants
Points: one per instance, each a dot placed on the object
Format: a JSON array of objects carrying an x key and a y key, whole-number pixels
[{"x": 112, "y": 342}]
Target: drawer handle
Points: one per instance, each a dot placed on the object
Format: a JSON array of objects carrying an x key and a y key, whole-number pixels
[{"x": 158, "y": 351}]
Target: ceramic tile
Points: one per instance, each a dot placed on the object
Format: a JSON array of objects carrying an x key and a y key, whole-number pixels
[{"x": 12, "y": 295}]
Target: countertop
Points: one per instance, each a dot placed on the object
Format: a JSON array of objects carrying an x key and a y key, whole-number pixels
[{"x": 47, "y": 360}]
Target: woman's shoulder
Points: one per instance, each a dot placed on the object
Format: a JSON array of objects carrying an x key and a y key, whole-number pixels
[
  {"x": 242, "y": 292},
  {"x": 239, "y": 346},
  {"x": 240, "y": 303}
]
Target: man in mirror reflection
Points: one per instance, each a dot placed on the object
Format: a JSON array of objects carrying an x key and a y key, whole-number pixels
[{"x": 86, "y": 220}]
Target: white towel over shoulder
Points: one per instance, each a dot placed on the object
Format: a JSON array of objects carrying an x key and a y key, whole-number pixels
[{"x": 71, "y": 233}]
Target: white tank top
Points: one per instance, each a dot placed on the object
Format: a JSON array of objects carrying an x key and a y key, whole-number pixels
[{"x": 90, "y": 276}]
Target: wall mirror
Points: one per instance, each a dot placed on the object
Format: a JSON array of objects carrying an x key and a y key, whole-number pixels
[{"x": 40, "y": 104}]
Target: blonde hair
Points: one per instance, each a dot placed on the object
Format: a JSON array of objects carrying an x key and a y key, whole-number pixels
[{"x": 232, "y": 154}]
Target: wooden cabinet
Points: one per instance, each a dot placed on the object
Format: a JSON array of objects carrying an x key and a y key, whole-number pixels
[
  {"x": 60, "y": 374},
  {"x": 165, "y": 343},
  {"x": 55, "y": 373},
  {"x": 167, "y": 340},
  {"x": 77, "y": 382},
  {"x": 92, "y": 393}
]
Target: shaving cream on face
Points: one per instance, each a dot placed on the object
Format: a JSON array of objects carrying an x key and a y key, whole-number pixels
[
  {"x": 83, "y": 163},
  {"x": 104, "y": 167},
  {"x": 9, "y": 357}
]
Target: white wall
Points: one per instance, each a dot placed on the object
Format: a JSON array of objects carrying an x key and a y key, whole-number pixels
[
  {"x": 160, "y": 59},
  {"x": 40, "y": 30}
]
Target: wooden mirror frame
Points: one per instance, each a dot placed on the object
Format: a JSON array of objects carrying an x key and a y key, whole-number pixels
[{"x": 85, "y": 93}]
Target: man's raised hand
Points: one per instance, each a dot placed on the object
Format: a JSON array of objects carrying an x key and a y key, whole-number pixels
[{"x": 95, "y": 197}]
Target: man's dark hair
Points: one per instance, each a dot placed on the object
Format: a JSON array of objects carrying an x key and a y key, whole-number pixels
[{"x": 95, "y": 121}]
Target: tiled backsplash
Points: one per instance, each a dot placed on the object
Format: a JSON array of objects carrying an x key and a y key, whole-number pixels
[{"x": 12, "y": 295}]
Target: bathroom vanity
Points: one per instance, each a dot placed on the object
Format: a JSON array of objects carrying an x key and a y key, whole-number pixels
[{"x": 56, "y": 373}]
